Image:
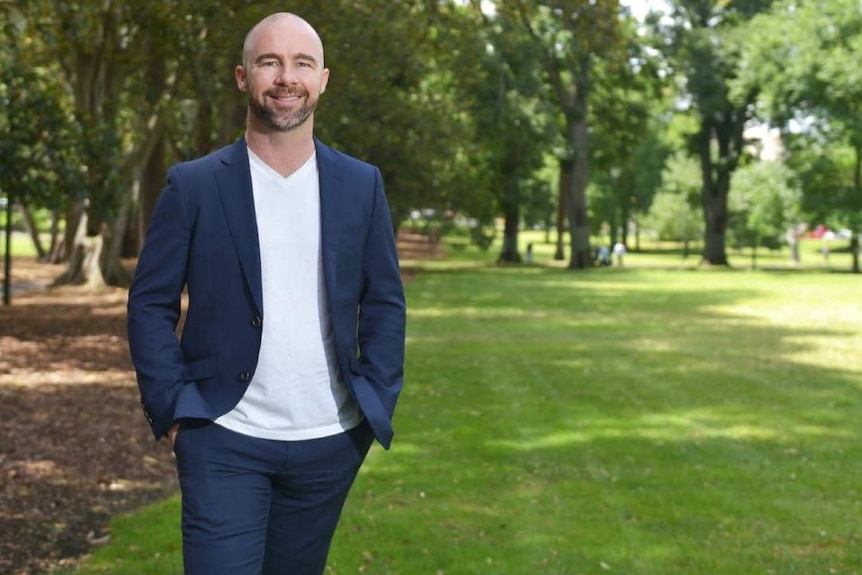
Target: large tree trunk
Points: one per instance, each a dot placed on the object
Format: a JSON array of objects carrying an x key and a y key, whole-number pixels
[
  {"x": 726, "y": 133},
  {"x": 562, "y": 193},
  {"x": 714, "y": 197},
  {"x": 509, "y": 252},
  {"x": 73, "y": 218},
  {"x": 94, "y": 259},
  {"x": 576, "y": 204},
  {"x": 511, "y": 218},
  {"x": 84, "y": 252},
  {"x": 94, "y": 254},
  {"x": 576, "y": 107},
  {"x": 113, "y": 236}
]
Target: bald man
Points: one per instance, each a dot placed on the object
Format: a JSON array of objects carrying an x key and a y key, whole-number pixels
[{"x": 291, "y": 357}]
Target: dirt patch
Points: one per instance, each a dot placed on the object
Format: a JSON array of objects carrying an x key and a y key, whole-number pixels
[{"x": 74, "y": 447}]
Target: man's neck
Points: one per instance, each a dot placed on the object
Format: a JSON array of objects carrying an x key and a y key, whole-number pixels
[{"x": 284, "y": 152}]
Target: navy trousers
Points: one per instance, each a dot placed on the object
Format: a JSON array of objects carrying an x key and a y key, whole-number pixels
[{"x": 260, "y": 507}]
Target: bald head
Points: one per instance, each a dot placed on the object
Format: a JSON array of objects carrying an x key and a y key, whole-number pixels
[
  {"x": 283, "y": 75},
  {"x": 285, "y": 21}
]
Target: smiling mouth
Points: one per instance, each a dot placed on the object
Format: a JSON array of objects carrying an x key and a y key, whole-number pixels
[{"x": 286, "y": 97}]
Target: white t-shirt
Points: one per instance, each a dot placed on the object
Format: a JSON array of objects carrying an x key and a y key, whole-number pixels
[{"x": 297, "y": 391}]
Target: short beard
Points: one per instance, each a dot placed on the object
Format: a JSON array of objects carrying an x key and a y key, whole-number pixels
[{"x": 285, "y": 122}]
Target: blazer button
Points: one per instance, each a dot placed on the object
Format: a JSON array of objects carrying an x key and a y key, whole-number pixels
[
  {"x": 256, "y": 321},
  {"x": 244, "y": 376}
]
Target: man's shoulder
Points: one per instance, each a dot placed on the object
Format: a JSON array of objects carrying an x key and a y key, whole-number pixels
[
  {"x": 342, "y": 160},
  {"x": 223, "y": 156}
]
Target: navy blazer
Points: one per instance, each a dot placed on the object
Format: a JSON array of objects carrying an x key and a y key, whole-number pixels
[{"x": 203, "y": 239}]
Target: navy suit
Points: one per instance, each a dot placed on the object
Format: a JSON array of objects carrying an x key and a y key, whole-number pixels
[
  {"x": 251, "y": 505},
  {"x": 203, "y": 236}
]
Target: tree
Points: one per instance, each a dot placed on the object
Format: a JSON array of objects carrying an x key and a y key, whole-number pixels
[
  {"x": 118, "y": 102},
  {"x": 765, "y": 204},
  {"x": 706, "y": 39},
  {"x": 806, "y": 59},
  {"x": 513, "y": 125},
  {"x": 130, "y": 70},
  {"x": 674, "y": 214},
  {"x": 821, "y": 168},
  {"x": 573, "y": 35},
  {"x": 42, "y": 165},
  {"x": 391, "y": 97},
  {"x": 626, "y": 149}
]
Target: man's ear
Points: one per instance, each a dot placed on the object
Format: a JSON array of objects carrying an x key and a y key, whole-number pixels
[
  {"x": 325, "y": 80},
  {"x": 241, "y": 78}
]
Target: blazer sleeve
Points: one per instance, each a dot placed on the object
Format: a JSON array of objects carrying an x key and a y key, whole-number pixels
[
  {"x": 154, "y": 307},
  {"x": 382, "y": 307}
]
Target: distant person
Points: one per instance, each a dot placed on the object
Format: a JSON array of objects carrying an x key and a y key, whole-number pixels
[
  {"x": 291, "y": 357},
  {"x": 792, "y": 237},
  {"x": 529, "y": 255},
  {"x": 604, "y": 256},
  {"x": 619, "y": 252}
]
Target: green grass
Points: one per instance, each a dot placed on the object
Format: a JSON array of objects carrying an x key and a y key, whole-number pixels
[
  {"x": 145, "y": 542},
  {"x": 636, "y": 421},
  {"x": 22, "y": 245}
]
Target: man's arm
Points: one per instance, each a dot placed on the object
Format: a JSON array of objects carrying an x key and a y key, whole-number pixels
[
  {"x": 154, "y": 308},
  {"x": 382, "y": 314}
]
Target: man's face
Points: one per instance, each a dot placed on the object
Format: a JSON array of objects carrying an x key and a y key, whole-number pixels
[{"x": 282, "y": 74}]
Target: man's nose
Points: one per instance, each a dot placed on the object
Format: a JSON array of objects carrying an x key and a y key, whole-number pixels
[{"x": 287, "y": 74}]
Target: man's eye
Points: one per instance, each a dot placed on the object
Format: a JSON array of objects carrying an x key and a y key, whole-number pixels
[{"x": 269, "y": 64}]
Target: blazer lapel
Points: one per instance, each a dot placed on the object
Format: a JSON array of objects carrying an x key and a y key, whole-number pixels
[
  {"x": 331, "y": 185},
  {"x": 234, "y": 188}
]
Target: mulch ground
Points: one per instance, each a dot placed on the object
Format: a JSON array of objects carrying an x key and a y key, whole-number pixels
[{"x": 75, "y": 449}]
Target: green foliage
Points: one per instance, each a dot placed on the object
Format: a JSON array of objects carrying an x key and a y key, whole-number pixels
[
  {"x": 805, "y": 58},
  {"x": 482, "y": 237},
  {"x": 539, "y": 204},
  {"x": 675, "y": 213},
  {"x": 392, "y": 100},
  {"x": 765, "y": 203},
  {"x": 571, "y": 37},
  {"x": 626, "y": 149},
  {"x": 38, "y": 136},
  {"x": 514, "y": 123},
  {"x": 706, "y": 41},
  {"x": 824, "y": 171}
]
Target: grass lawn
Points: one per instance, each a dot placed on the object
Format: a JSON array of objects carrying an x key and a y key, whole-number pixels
[{"x": 636, "y": 421}]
